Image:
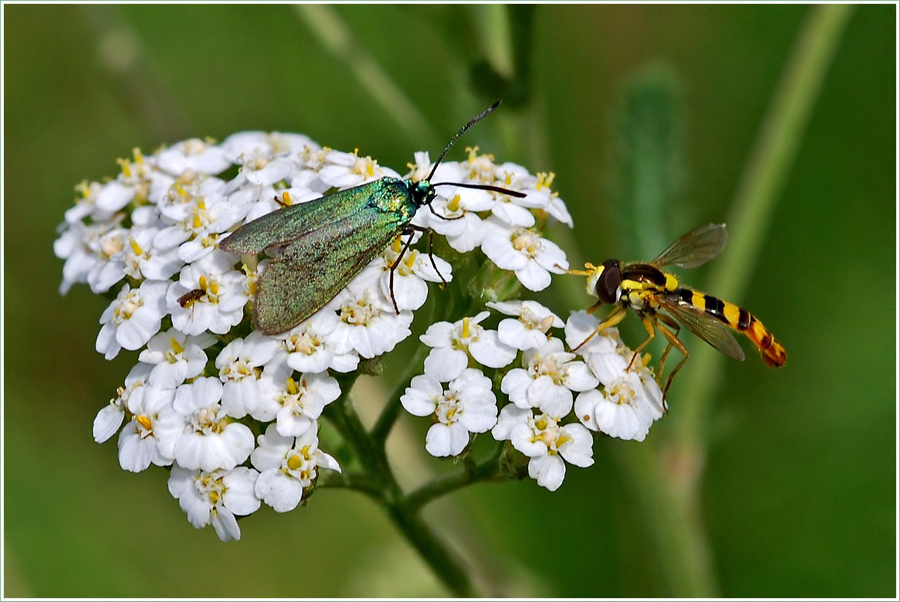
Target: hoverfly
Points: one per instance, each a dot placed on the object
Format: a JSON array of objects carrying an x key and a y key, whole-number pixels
[{"x": 664, "y": 304}]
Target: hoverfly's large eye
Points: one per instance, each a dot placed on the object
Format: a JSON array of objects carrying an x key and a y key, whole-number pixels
[{"x": 608, "y": 283}]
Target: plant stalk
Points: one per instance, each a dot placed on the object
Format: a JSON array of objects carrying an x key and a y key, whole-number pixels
[
  {"x": 670, "y": 479},
  {"x": 440, "y": 558},
  {"x": 480, "y": 471}
]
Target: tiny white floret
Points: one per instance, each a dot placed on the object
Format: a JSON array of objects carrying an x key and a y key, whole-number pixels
[{"x": 215, "y": 497}]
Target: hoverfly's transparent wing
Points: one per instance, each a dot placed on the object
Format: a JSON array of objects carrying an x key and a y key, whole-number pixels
[
  {"x": 702, "y": 324},
  {"x": 313, "y": 269},
  {"x": 694, "y": 248}
]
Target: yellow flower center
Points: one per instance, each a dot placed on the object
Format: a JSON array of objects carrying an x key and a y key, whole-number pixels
[{"x": 525, "y": 241}]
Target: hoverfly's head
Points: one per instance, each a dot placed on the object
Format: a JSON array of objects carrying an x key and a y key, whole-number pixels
[
  {"x": 605, "y": 280},
  {"x": 422, "y": 192}
]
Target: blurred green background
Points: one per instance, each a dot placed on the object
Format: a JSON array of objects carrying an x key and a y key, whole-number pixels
[{"x": 798, "y": 493}]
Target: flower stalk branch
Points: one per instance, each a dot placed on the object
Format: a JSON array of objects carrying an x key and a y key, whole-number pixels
[
  {"x": 371, "y": 454},
  {"x": 486, "y": 470}
]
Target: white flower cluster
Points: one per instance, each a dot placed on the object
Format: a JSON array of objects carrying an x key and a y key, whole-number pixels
[
  {"x": 614, "y": 396},
  {"x": 236, "y": 417}
]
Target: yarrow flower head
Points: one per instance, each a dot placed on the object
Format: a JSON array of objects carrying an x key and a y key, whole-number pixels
[
  {"x": 467, "y": 406},
  {"x": 454, "y": 344},
  {"x": 288, "y": 466},
  {"x": 524, "y": 251},
  {"x": 548, "y": 379},
  {"x": 216, "y": 497},
  {"x": 546, "y": 443},
  {"x": 238, "y": 414},
  {"x": 630, "y": 399},
  {"x": 530, "y": 329},
  {"x": 132, "y": 319}
]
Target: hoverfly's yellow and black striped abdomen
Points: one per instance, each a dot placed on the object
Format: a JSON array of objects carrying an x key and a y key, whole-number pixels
[{"x": 738, "y": 318}]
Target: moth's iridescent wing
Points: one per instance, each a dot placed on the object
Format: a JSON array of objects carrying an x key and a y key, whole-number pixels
[
  {"x": 317, "y": 266},
  {"x": 283, "y": 226}
]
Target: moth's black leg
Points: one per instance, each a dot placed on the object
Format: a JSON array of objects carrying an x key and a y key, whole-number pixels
[
  {"x": 394, "y": 267},
  {"x": 430, "y": 233}
]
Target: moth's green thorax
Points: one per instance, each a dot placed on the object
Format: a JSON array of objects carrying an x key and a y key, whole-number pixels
[{"x": 328, "y": 241}]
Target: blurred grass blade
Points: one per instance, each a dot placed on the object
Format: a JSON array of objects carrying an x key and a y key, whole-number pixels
[
  {"x": 754, "y": 204},
  {"x": 648, "y": 164},
  {"x": 331, "y": 31},
  {"x": 675, "y": 524},
  {"x": 142, "y": 91},
  {"x": 647, "y": 160},
  {"x": 780, "y": 138},
  {"x": 494, "y": 36}
]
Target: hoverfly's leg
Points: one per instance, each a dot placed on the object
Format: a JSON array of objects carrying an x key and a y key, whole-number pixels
[
  {"x": 394, "y": 267},
  {"x": 676, "y": 330},
  {"x": 590, "y": 271},
  {"x": 431, "y": 251},
  {"x": 675, "y": 342},
  {"x": 648, "y": 322},
  {"x": 594, "y": 307},
  {"x": 615, "y": 316}
]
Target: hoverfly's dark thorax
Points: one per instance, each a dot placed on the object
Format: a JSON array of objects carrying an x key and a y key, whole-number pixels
[
  {"x": 607, "y": 287},
  {"x": 642, "y": 272}
]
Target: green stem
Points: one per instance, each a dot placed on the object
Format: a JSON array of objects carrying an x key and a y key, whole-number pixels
[
  {"x": 674, "y": 525},
  {"x": 391, "y": 411},
  {"x": 362, "y": 482},
  {"x": 332, "y": 32},
  {"x": 442, "y": 561},
  {"x": 480, "y": 471},
  {"x": 439, "y": 557},
  {"x": 763, "y": 180}
]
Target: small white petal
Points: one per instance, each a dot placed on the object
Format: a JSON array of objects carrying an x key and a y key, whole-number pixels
[
  {"x": 490, "y": 352},
  {"x": 418, "y": 399},
  {"x": 578, "y": 450},
  {"x": 554, "y": 400},
  {"x": 445, "y": 364},
  {"x": 280, "y": 491},
  {"x": 533, "y": 276},
  {"x": 549, "y": 471},
  {"x": 107, "y": 422},
  {"x": 522, "y": 438},
  {"x": 438, "y": 440},
  {"x": 226, "y": 526}
]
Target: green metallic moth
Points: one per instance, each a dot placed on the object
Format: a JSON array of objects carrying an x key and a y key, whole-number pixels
[{"x": 326, "y": 242}]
